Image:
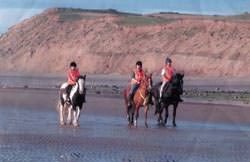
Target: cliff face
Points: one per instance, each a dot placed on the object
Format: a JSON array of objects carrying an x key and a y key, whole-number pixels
[{"x": 110, "y": 42}]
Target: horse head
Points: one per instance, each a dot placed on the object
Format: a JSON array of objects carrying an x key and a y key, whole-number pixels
[
  {"x": 177, "y": 83},
  {"x": 81, "y": 83},
  {"x": 147, "y": 82}
]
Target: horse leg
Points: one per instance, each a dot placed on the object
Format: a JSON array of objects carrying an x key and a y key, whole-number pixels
[
  {"x": 76, "y": 113},
  {"x": 166, "y": 115},
  {"x": 69, "y": 120},
  {"x": 132, "y": 113},
  {"x": 160, "y": 119},
  {"x": 128, "y": 113},
  {"x": 136, "y": 115},
  {"x": 74, "y": 118},
  {"x": 174, "y": 115},
  {"x": 61, "y": 114},
  {"x": 146, "y": 115}
]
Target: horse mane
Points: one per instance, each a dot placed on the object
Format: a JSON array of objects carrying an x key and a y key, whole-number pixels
[
  {"x": 144, "y": 80},
  {"x": 81, "y": 77},
  {"x": 179, "y": 75}
]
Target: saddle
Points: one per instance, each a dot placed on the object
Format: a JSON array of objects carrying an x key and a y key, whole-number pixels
[{"x": 167, "y": 90}]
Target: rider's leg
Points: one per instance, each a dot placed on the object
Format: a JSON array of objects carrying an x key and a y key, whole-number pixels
[
  {"x": 162, "y": 88},
  {"x": 68, "y": 89},
  {"x": 133, "y": 89}
]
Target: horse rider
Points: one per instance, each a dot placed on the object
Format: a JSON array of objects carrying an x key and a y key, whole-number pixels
[
  {"x": 167, "y": 75},
  {"x": 136, "y": 77},
  {"x": 72, "y": 74}
]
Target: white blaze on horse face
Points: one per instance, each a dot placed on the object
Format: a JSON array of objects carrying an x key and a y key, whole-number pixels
[{"x": 81, "y": 85}]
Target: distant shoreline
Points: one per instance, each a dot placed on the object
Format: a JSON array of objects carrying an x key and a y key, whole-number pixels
[
  {"x": 200, "y": 91},
  {"x": 190, "y": 83}
]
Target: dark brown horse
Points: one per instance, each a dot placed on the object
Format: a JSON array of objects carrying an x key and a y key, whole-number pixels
[
  {"x": 171, "y": 96},
  {"x": 141, "y": 99}
]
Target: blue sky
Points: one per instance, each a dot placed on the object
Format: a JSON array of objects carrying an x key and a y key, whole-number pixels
[{"x": 14, "y": 11}]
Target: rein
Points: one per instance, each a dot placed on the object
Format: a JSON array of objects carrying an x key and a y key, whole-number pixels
[{"x": 143, "y": 97}]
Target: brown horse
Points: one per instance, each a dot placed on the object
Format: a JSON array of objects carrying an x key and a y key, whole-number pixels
[{"x": 141, "y": 98}]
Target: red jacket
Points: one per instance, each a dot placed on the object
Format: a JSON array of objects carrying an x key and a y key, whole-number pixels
[
  {"x": 138, "y": 75},
  {"x": 72, "y": 76},
  {"x": 167, "y": 74}
]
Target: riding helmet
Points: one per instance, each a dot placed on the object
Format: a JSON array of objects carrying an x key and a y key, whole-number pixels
[
  {"x": 72, "y": 64},
  {"x": 168, "y": 60},
  {"x": 139, "y": 63}
]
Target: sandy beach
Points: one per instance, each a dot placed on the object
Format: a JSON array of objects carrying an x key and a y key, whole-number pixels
[
  {"x": 30, "y": 131},
  {"x": 41, "y": 41}
]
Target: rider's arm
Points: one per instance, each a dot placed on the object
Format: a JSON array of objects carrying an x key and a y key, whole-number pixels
[
  {"x": 75, "y": 74},
  {"x": 169, "y": 74},
  {"x": 163, "y": 72},
  {"x": 132, "y": 76},
  {"x": 69, "y": 76}
]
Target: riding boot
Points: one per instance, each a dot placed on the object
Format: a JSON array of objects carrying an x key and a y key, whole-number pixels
[
  {"x": 68, "y": 89},
  {"x": 130, "y": 100}
]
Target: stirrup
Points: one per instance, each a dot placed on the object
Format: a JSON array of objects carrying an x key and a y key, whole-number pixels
[{"x": 68, "y": 100}]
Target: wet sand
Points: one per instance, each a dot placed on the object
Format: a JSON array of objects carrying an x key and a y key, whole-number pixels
[{"x": 30, "y": 132}]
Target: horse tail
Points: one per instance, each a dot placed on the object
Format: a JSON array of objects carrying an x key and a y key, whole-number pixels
[
  {"x": 125, "y": 95},
  {"x": 58, "y": 106}
]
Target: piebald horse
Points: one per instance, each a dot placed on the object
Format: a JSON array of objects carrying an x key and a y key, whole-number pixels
[{"x": 77, "y": 98}]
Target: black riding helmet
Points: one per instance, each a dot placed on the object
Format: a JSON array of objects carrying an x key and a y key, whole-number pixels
[
  {"x": 139, "y": 63},
  {"x": 72, "y": 64},
  {"x": 168, "y": 61}
]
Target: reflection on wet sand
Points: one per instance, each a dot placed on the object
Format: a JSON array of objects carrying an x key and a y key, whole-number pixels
[{"x": 30, "y": 131}]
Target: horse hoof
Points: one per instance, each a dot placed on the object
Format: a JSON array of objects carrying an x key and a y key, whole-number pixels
[
  {"x": 69, "y": 122},
  {"x": 165, "y": 122},
  {"x": 174, "y": 125},
  {"x": 62, "y": 123},
  {"x": 75, "y": 124},
  {"x": 135, "y": 123},
  {"x": 128, "y": 117},
  {"x": 146, "y": 125}
]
